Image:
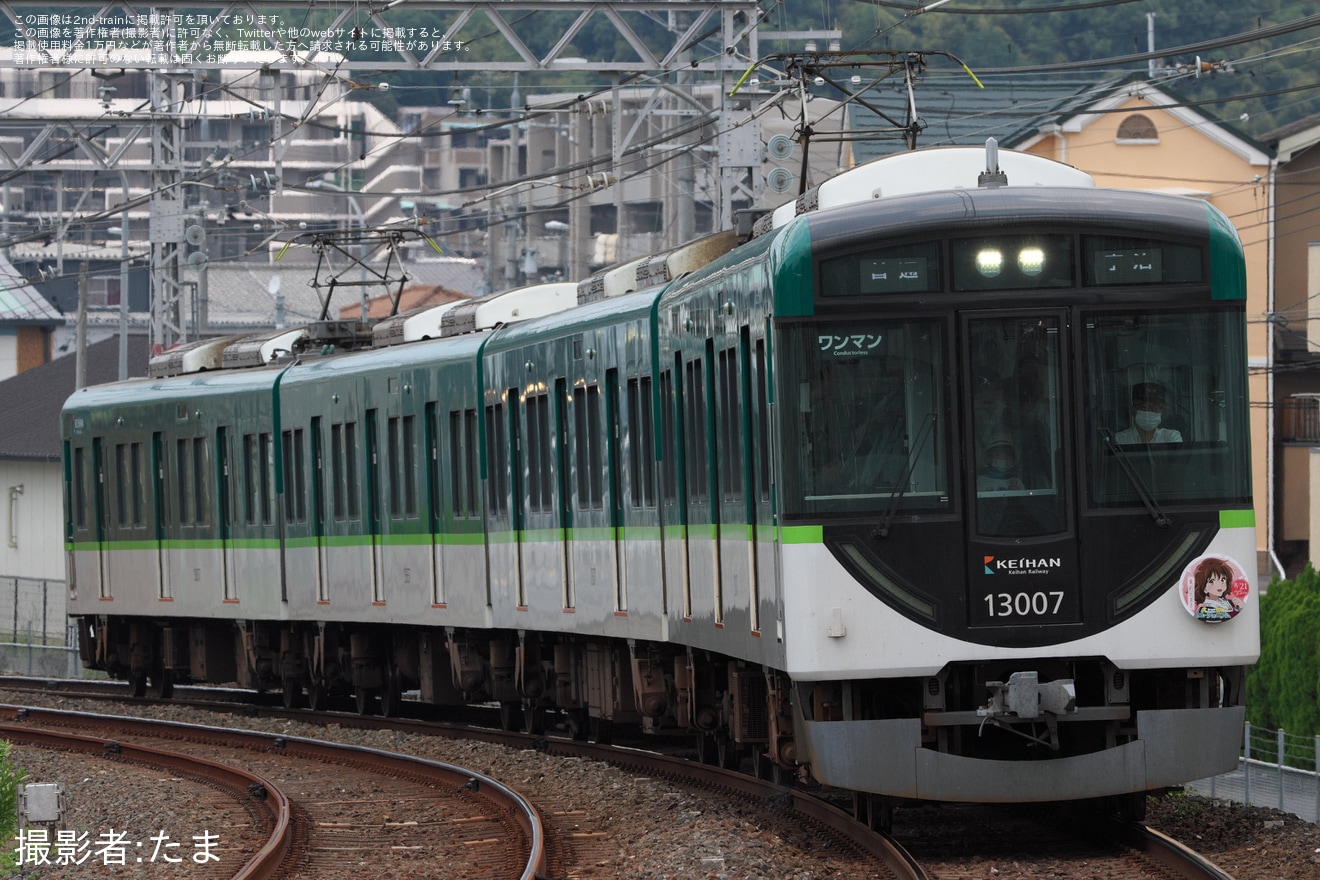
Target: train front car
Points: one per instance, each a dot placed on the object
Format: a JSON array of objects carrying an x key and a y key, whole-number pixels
[{"x": 1017, "y": 528}]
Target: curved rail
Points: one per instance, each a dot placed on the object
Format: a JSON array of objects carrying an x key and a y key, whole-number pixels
[
  {"x": 264, "y": 864},
  {"x": 1169, "y": 853},
  {"x": 519, "y": 811}
]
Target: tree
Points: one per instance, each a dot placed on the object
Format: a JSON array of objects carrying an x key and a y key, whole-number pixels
[{"x": 1283, "y": 688}]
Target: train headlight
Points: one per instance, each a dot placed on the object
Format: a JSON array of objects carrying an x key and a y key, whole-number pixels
[
  {"x": 990, "y": 262},
  {"x": 1031, "y": 261}
]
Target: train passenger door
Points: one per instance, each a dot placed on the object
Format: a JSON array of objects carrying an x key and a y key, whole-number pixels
[
  {"x": 1021, "y": 521},
  {"x": 87, "y": 531},
  {"x": 702, "y": 533}
]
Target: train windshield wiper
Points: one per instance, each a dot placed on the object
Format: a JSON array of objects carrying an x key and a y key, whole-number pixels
[
  {"x": 1143, "y": 491},
  {"x": 895, "y": 497}
]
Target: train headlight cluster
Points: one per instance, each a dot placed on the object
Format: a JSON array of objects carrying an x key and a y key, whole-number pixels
[
  {"x": 990, "y": 262},
  {"x": 1030, "y": 261}
]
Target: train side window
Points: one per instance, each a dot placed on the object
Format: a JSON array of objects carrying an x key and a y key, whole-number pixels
[
  {"x": 121, "y": 484},
  {"x": 456, "y": 462},
  {"x": 295, "y": 478},
  {"x": 762, "y": 420},
  {"x": 138, "y": 484},
  {"x": 641, "y": 440},
  {"x": 497, "y": 460},
  {"x": 463, "y": 462},
  {"x": 730, "y": 414},
  {"x": 265, "y": 443},
  {"x": 337, "y": 470},
  {"x": 350, "y": 470},
  {"x": 251, "y": 467},
  {"x": 183, "y": 480},
  {"x": 394, "y": 462},
  {"x": 590, "y": 460},
  {"x": 668, "y": 450},
  {"x": 694, "y": 418},
  {"x": 470, "y": 462},
  {"x": 201, "y": 481},
  {"x": 409, "y": 451},
  {"x": 80, "y": 488},
  {"x": 539, "y": 497}
]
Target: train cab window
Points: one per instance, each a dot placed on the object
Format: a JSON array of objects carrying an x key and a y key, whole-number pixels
[
  {"x": 1166, "y": 410},
  {"x": 1017, "y": 425},
  {"x": 868, "y": 410}
]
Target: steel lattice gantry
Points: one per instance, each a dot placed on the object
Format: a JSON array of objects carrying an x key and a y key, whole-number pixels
[{"x": 713, "y": 39}]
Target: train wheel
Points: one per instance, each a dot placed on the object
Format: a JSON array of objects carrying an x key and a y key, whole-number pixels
[
  {"x": 533, "y": 718},
  {"x": 1132, "y": 806},
  {"x": 602, "y": 731},
  {"x": 577, "y": 724},
  {"x": 316, "y": 696},
  {"x": 511, "y": 716},
  {"x": 706, "y": 751},
  {"x": 362, "y": 698},
  {"x": 879, "y": 813},
  {"x": 726, "y": 752},
  {"x": 137, "y": 684},
  {"x": 390, "y": 693},
  {"x": 162, "y": 683},
  {"x": 292, "y": 693}
]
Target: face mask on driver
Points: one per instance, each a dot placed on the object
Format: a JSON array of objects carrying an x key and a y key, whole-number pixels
[{"x": 1147, "y": 420}]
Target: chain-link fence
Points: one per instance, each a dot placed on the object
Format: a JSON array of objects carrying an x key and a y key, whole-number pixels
[
  {"x": 1277, "y": 769},
  {"x": 35, "y": 635}
]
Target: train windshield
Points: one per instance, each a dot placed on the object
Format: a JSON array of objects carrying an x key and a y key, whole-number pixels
[
  {"x": 1167, "y": 409},
  {"x": 865, "y": 417}
]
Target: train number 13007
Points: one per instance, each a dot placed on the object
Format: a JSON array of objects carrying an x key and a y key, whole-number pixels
[{"x": 1038, "y": 604}]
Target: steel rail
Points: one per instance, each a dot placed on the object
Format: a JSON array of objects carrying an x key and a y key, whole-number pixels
[{"x": 263, "y": 865}]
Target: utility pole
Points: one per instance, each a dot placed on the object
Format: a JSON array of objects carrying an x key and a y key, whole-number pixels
[{"x": 167, "y": 197}]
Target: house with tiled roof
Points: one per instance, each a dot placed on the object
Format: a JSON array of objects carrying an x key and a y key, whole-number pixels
[{"x": 26, "y": 323}]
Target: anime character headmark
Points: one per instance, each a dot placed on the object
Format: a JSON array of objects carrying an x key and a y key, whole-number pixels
[{"x": 1213, "y": 592}]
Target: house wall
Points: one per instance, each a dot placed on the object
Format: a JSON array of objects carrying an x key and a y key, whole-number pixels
[
  {"x": 34, "y": 520},
  {"x": 1191, "y": 160},
  {"x": 32, "y": 347}
]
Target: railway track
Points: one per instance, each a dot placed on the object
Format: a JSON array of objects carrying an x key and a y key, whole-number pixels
[
  {"x": 937, "y": 842},
  {"x": 346, "y": 807},
  {"x": 964, "y": 841}
]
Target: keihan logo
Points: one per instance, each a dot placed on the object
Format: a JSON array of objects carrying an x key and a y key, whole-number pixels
[{"x": 988, "y": 560}]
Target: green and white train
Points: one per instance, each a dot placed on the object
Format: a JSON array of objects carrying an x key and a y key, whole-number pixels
[{"x": 934, "y": 485}]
